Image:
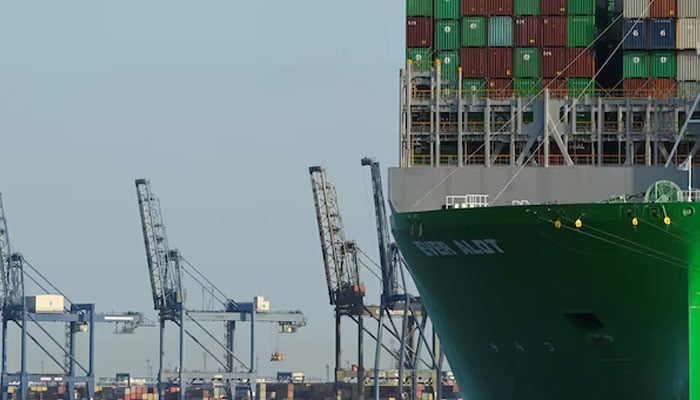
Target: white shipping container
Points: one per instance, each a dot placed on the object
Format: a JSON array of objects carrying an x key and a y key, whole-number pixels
[
  {"x": 45, "y": 303},
  {"x": 633, "y": 9},
  {"x": 261, "y": 304},
  {"x": 688, "y": 90},
  {"x": 688, "y": 66},
  {"x": 688, "y": 33},
  {"x": 688, "y": 8}
]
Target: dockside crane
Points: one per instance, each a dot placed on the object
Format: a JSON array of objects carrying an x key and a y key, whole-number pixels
[
  {"x": 345, "y": 292},
  {"x": 413, "y": 316},
  {"x": 166, "y": 267},
  {"x": 77, "y": 317},
  {"x": 165, "y": 276}
]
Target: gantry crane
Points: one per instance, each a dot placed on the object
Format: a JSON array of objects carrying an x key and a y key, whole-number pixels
[
  {"x": 345, "y": 292},
  {"x": 78, "y": 318},
  {"x": 165, "y": 268},
  {"x": 414, "y": 317}
]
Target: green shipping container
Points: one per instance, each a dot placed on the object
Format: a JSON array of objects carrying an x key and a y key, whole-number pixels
[
  {"x": 449, "y": 91},
  {"x": 447, "y": 35},
  {"x": 581, "y": 31},
  {"x": 419, "y": 8},
  {"x": 474, "y": 32},
  {"x": 447, "y": 9},
  {"x": 421, "y": 58},
  {"x": 527, "y": 87},
  {"x": 474, "y": 87},
  {"x": 581, "y": 7},
  {"x": 663, "y": 64},
  {"x": 636, "y": 65},
  {"x": 577, "y": 87},
  {"x": 527, "y": 7},
  {"x": 526, "y": 62},
  {"x": 450, "y": 63},
  {"x": 500, "y": 32}
]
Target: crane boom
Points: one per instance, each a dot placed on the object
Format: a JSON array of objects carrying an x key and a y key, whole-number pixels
[
  {"x": 12, "y": 290},
  {"x": 340, "y": 276},
  {"x": 163, "y": 269},
  {"x": 387, "y": 252}
]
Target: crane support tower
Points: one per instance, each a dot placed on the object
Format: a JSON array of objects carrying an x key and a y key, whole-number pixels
[
  {"x": 165, "y": 269},
  {"x": 413, "y": 316},
  {"x": 345, "y": 292},
  {"x": 77, "y": 317}
]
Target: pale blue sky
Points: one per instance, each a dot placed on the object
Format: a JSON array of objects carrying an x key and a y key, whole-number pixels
[{"x": 222, "y": 105}]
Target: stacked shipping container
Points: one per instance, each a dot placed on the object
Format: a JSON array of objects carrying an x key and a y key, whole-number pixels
[
  {"x": 509, "y": 47},
  {"x": 517, "y": 47}
]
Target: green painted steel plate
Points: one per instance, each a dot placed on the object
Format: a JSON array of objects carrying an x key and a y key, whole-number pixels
[
  {"x": 527, "y": 87},
  {"x": 474, "y": 87},
  {"x": 580, "y": 30},
  {"x": 447, "y": 35},
  {"x": 421, "y": 57},
  {"x": 581, "y": 7},
  {"x": 576, "y": 87},
  {"x": 419, "y": 8},
  {"x": 449, "y": 64},
  {"x": 527, "y": 7},
  {"x": 474, "y": 32},
  {"x": 526, "y": 62},
  {"x": 663, "y": 64},
  {"x": 447, "y": 9},
  {"x": 636, "y": 64}
]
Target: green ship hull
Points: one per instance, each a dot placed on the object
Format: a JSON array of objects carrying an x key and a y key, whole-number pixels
[{"x": 574, "y": 301}]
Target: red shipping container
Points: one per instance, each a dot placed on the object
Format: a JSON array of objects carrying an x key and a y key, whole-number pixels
[
  {"x": 580, "y": 62},
  {"x": 557, "y": 87},
  {"x": 554, "y": 7},
  {"x": 500, "y": 62},
  {"x": 636, "y": 88},
  {"x": 474, "y": 62},
  {"x": 474, "y": 7},
  {"x": 663, "y": 87},
  {"x": 554, "y": 31},
  {"x": 419, "y": 32},
  {"x": 500, "y": 88},
  {"x": 553, "y": 62},
  {"x": 527, "y": 31},
  {"x": 663, "y": 9},
  {"x": 499, "y": 7}
]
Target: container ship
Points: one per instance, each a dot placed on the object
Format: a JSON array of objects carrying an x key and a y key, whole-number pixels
[{"x": 544, "y": 201}]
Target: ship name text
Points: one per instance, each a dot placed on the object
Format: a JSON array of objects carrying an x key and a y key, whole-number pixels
[{"x": 438, "y": 248}]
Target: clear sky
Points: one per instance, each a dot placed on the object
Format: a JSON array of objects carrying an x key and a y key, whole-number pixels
[{"x": 222, "y": 105}]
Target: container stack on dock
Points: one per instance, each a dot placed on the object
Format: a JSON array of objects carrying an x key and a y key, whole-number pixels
[{"x": 514, "y": 48}]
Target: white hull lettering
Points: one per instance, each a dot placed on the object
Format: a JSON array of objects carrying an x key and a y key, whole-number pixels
[
  {"x": 466, "y": 248},
  {"x": 479, "y": 246},
  {"x": 437, "y": 248}
]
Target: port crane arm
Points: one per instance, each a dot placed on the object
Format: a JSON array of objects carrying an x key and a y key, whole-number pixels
[
  {"x": 163, "y": 268},
  {"x": 12, "y": 282},
  {"x": 387, "y": 252},
  {"x": 336, "y": 260}
]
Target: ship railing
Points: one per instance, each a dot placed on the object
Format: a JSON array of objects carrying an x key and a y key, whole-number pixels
[
  {"x": 692, "y": 195},
  {"x": 467, "y": 201}
]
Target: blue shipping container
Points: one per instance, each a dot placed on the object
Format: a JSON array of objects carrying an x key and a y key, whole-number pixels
[
  {"x": 500, "y": 32},
  {"x": 635, "y": 34},
  {"x": 662, "y": 33}
]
